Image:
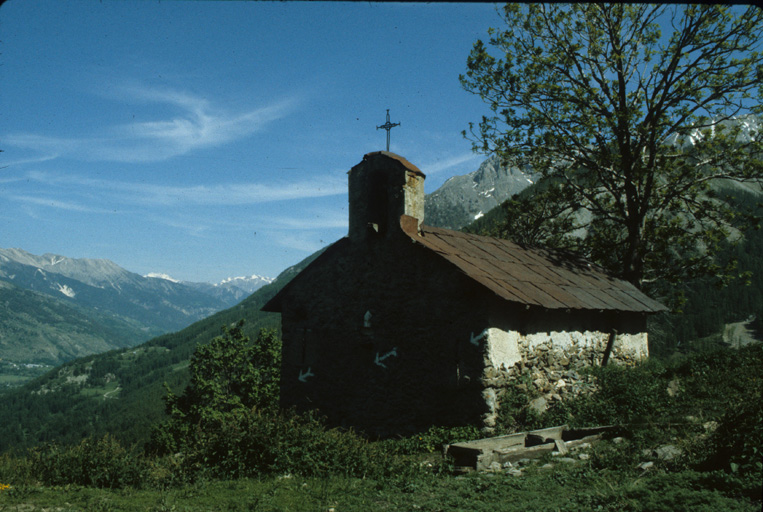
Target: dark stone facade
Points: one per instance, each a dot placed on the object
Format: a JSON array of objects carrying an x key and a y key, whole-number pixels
[{"x": 408, "y": 364}]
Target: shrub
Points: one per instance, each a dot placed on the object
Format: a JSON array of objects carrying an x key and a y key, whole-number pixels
[
  {"x": 710, "y": 384},
  {"x": 254, "y": 442},
  {"x": 623, "y": 396},
  {"x": 226, "y": 423},
  {"x": 736, "y": 446},
  {"x": 432, "y": 440},
  {"x": 515, "y": 413},
  {"x": 627, "y": 395},
  {"x": 94, "y": 463},
  {"x": 229, "y": 376},
  {"x": 15, "y": 469}
]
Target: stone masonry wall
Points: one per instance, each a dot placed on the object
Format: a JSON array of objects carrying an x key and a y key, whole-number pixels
[{"x": 547, "y": 365}]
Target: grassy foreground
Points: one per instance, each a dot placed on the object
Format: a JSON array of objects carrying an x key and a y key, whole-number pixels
[
  {"x": 691, "y": 439},
  {"x": 565, "y": 487}
]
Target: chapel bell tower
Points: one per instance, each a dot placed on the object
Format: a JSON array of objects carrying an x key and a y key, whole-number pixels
[{"x": 383, "y": 187}]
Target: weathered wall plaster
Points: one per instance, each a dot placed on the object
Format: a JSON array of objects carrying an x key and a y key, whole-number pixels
[{"x": 502, "y": 348}]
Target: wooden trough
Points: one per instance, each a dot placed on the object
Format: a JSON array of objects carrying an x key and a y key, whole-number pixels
[{"x": 479, "y": 455}]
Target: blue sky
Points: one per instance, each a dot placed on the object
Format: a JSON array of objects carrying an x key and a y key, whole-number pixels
[{"x": 208, "y": 139}]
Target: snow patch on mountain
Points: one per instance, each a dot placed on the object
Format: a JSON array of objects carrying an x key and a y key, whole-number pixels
[
  {"x": 248, "y": 284},
  {"x": 244, "y": 279},
  {"x": 158, "y": 275},
  {"x": 66, "y": 290},
  {"x": 749, "y": 130}
]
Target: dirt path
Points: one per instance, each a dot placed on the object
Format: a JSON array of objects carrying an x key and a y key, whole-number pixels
[
  {"x": 107, "y": 393},
  {"x": 739, "y": 334}
]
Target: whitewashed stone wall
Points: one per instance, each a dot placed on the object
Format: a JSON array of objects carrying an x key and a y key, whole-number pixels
[{"x": 547, "y": 365}]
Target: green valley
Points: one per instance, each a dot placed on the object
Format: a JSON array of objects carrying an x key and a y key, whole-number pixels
[{"x": 39, "y": 332}]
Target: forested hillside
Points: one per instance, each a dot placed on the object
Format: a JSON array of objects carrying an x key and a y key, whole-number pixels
[{"x": 121, "y": 392}]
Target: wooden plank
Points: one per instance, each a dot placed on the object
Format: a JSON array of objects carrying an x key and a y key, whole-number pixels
[{"x": 482, "y": 453}]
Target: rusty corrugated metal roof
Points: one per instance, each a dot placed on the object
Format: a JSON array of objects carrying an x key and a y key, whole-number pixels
[{"x": 534, "y": 277}]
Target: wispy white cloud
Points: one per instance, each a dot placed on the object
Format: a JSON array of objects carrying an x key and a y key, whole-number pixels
[
  {"x": 315, "y": 221},
  {"x": 58, "y": 204},
  {"x": 444, "y": 164},
  {"x": 193, "y": 228},
  {"x": 306, "y": 242},
  {"x": 44, "y": 144},
  {"x": 217, "y": 194},
  {"x": 4, "y": 180},
  {"x": 196, "y": 124},
  {"x": 237, "y": 193},
  {"x": 34, "y": 160}
]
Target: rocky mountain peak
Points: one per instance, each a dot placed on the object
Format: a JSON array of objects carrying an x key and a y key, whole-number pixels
[{"x": 462, "y": 199}]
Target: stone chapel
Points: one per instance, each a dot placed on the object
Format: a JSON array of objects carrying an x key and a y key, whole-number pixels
[{"x": 400, "y": 326}]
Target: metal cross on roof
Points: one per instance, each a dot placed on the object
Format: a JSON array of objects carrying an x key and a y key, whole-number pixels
[{"x": 388, "y": 126}]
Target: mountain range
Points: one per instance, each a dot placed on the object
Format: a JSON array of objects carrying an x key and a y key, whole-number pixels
[{"x": 55, "y": 308}]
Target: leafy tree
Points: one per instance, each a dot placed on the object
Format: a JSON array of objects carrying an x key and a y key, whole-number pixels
[
  {"x": 230, "y": 375},
  {"x": 632, "y": 130},
  {"x": 227, "y": 422},
  {"x": 232, "y": 372}
]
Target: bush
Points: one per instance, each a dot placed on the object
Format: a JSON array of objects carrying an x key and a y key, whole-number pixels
[
  {"x": 713, "y": 381},
  {"x": 229, "y": 376},
  {"x": 623, "y": 396},
  {"x": 736, "y": 446},
  {"x": 515, "y": 413},
  {"x": 93, "y": 463},
  {"x": 14, "y": 469},
  {"x": 627, "y": 395},
  {"x": 432, "y": 440},
  {"x": 254, "y": 443},
  {"x": 226, "y": 423}
]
